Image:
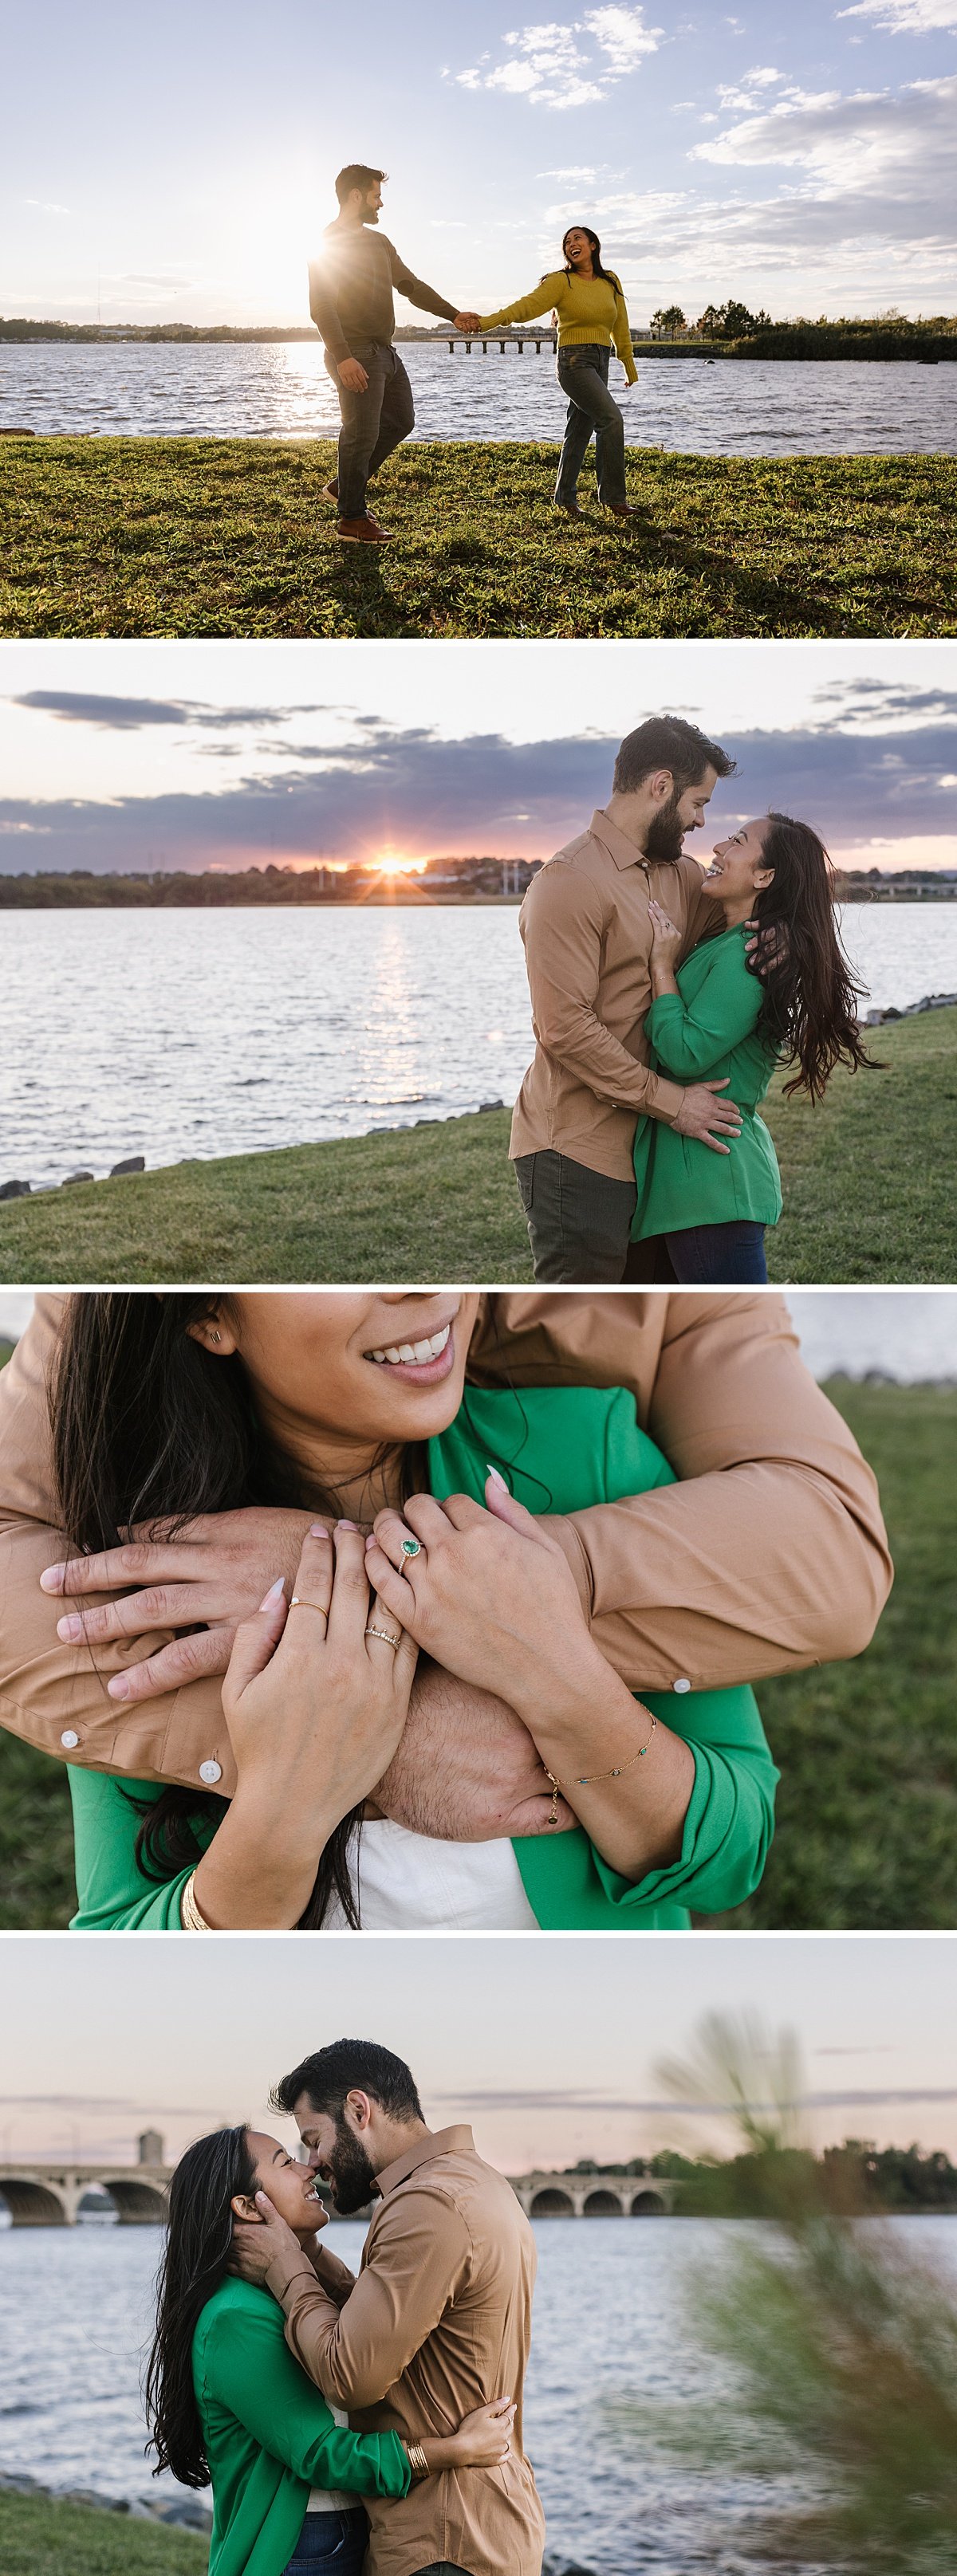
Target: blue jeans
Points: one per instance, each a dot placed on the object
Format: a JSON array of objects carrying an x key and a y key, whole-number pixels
[
  {"x": 336, "y": 2541},
  {"x": 719, "y": 1256},
  {"x": 592, "y": 410},
  {"x": 373, "y": 423}
]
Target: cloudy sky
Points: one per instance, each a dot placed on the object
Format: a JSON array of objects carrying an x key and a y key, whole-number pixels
[
  {"x": 182, "y": 168},
  {"x": 202, "y": 755},
  {"x": 552, "y": 2048}
]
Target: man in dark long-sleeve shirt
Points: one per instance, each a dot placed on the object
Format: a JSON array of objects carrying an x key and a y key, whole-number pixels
[{"x": 350, "y": 298}]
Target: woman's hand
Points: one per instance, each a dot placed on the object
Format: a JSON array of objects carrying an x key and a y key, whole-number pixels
[
  {"x": 487, "y": 1593},
  {"x": 495, "y": 1593},
  {"x": 663, "y": 955},
  {"x": 315, "y": 1706},
  {"x": 483, "y": 2439}
]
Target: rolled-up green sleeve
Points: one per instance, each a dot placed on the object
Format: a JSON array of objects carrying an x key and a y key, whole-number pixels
[
  {"x": 112, "y": 1893},
  {"x": 689, "y": 1037},
  {"x": 730, "y": 1820}
]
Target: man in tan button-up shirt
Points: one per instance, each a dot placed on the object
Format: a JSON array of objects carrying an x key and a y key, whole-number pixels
[
  {"x": 769, "y": 1554},
  {"x": 587, "y": 932},
  {"x": 439, "y": 2320}
]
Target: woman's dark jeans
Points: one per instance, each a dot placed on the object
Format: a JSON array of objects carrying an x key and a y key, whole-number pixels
[
  {"x": 592, "y": 411},
  {"x": 337, "y": 2541},
  {"x": 719, "y": 1256}
]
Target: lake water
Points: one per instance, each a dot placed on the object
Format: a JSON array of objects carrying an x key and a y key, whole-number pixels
[
  {"x": 717, "y": 407},
  {"x": 187, "y": 1034},
  {"x": 74, "y": 2315}
]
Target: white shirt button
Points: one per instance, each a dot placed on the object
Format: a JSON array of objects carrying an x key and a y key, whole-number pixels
[
  {"x": 210, "y": 1771},
  {"x": 69, "y": 1738},
  {"x": 681, "y": 1686}
]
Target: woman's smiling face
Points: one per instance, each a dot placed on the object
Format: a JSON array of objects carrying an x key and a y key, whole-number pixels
[
  {"x": 291, "y": 2187},
  {"x": 337, "y": 1375},
  {"x": 736, "y": 870}
]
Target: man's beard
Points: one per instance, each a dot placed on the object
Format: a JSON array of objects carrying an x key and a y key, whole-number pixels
[
  {"x": 349, "y": 2172},
  {"x": 665, "y": 834}
]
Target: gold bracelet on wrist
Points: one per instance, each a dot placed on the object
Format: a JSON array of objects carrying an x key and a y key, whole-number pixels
[
  {"x": 189, "y": 1914},
  {"x": 417, "y": 2461},
  {"x": 589, "y": 1781}
]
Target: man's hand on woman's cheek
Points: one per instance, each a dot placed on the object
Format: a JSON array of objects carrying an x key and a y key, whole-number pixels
[
  {"x": 205, "y": 1579},
  {"x": 466, "y": 1769}
]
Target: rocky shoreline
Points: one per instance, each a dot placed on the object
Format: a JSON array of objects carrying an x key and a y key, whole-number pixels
[
  {"x": 134, "y": 1163},
  {"x": 183, "y": 2512}
]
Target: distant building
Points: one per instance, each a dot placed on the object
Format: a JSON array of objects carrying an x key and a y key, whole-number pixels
[{"x": 149, "y": 2148}]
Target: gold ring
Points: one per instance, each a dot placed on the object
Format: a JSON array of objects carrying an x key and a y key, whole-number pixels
[
  {"x": 384, "y": 1634},
  {"x": 299, "y": 1602}
]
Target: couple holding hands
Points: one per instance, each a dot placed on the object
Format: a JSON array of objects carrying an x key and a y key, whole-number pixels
[{"x": 351, "y": 285}]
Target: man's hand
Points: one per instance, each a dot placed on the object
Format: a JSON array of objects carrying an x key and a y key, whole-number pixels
[
  {"x": 703, "y": 1115},
  {"x": 468, "y": 321},
  {"x": 213, "y": 1574},
  {"x": 466, "y": 1770},
  {"x": 352, "y": 375},
  {"x": 258, "y": 2243}
]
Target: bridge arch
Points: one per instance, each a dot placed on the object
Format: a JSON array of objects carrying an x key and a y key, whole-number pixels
[
  {"x": 137, "y": 2203},
  {"x": 32, "y": 2203},
  {"x": 551, "y": 2203},
  {"x": 647, "y": 2204},
  {"x": 602, "y": 2204}
]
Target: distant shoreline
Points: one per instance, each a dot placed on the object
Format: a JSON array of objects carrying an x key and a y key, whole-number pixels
[
  {"x": 271, "y": 889},
  {"x": 926, "y": 343}
]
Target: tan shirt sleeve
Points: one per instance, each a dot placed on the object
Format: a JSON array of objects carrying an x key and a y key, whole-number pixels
[
  {"x": 562, "y": 924},
  {"x": 54, "y": 1695},
  {"x": 417, "y": 2262},
  {"x": 771, "y": 1554}
]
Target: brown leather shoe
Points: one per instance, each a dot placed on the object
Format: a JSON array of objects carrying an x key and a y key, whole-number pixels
[
  {"x": 569, "y": 509},
  {"x": 363, "y": 532},
  {"x": 330, "y": 491},
  {"x": 624, "y": 509}
]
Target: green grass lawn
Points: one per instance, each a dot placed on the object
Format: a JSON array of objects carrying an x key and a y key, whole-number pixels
[
  {"x": 40, "y": 2538},
  {"x": 112, "y": 536},
  {"x": 867, "y": 1196},
  {"x": 867, "y": 1814}
]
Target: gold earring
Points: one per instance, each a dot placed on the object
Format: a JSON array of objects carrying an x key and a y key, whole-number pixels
[{"x": 215, "y": 1337}]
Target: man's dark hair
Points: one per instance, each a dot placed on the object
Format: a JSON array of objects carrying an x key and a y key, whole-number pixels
[
  {"x": 356, "y": 175},
  {"x": 349, "y": 2066},
  {"x": 668, "y": 742}
]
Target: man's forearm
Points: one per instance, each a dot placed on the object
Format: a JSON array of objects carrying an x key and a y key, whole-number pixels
[{"x": 570, "y": 1031}]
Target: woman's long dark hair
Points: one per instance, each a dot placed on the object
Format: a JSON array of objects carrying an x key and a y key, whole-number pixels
[
  {"x": 809, "y": 1014},
  {"x": 591, "y": 238},
  {"x": 195, "y": 2261},
  {"x": 149, "y": 1428}
]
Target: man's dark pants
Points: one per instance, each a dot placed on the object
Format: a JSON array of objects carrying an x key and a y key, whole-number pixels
[
  {"x": 373, "y": 423},
  {"x": 579, "y": 1225}
]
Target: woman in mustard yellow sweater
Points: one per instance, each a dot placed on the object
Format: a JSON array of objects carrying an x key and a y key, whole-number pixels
[{"x": 592, "y": 321}]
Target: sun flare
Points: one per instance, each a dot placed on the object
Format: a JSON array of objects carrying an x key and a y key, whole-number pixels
[{"x": 394, "y": 863}]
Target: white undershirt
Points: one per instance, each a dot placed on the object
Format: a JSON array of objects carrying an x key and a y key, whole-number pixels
[
  {"x": 408, "y": 1881},
  {"x": 333, "y": 2499}
]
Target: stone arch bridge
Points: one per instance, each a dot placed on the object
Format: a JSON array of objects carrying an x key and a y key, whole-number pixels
[
  {"x": 594, "y": 2195},
  {"x": 49, "y": 2195}
]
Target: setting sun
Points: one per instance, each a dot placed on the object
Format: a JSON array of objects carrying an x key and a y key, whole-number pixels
[{"x": 392, "y": 863}]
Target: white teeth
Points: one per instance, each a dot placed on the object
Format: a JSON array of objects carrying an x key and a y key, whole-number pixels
[{"x": 416, "y": 1352}]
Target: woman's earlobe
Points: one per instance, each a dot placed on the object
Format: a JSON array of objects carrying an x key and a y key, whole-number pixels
[
  {"x": 213, "y": 1335},
  {"x": 244, "y": 2209}
]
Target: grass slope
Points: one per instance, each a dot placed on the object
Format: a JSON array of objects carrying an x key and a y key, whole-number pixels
[
  {"x": 43, "y": 2538},
  {"x": 111, "y": 536},
  {"x": 867, "y": 1812},
  {"x": 867, "y": 1196}
]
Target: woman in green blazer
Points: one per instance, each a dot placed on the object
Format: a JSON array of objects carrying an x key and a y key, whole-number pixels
[
  {"x": 227, "y": 2405},
  {"x": 773, "y": 984}
]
